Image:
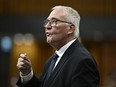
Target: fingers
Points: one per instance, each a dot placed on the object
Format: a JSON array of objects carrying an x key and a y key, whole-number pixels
[
  {"x": 24, "y": 56},
  {"x": 24, "y": 64}
]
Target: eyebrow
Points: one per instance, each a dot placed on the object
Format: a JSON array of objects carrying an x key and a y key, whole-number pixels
[
  {"x": 60, "y": 20},
  {"x": 52, "y": 18}
]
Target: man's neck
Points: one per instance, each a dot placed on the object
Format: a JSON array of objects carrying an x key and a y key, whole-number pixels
[{"x": 57, "y": 46}]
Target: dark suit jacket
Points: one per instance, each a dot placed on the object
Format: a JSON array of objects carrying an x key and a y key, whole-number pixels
[{"x": 77, "y": 68}]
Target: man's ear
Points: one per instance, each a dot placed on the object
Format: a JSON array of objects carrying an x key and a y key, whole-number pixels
[{"x": 71, "y": 29}]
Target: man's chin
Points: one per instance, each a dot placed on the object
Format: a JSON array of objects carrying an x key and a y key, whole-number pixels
[{"x": 49, "y": 41}]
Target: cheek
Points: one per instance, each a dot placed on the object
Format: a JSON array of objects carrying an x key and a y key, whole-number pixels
[
  {"x": 62, "y": 34},
  {"x": 61, "y": 30}
]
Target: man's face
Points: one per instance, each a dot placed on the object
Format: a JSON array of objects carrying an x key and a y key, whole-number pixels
[{"x": 57, "y": 33}]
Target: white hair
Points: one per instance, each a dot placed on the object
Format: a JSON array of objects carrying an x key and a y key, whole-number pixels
[{"x": 72, "y": 16}]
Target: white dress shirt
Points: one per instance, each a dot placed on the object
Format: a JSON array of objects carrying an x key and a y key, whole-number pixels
[{"x": 60, "y": 53}]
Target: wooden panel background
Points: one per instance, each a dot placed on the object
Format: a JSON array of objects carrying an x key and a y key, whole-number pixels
[
  {"x": 104, "y": 52},
  {"x": 85, "y": 7}
]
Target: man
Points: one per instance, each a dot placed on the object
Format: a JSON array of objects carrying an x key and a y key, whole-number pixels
[{"x": 74, "y": 67}]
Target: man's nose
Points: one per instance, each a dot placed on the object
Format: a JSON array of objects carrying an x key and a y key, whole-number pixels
[{"x": 48, "y": 26}]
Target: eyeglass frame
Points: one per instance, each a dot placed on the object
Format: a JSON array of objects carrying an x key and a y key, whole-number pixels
[{"x": 54, "y": 22}]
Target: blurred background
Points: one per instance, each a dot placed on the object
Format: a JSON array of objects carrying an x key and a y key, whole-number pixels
[{"x": 21, "y": 31}]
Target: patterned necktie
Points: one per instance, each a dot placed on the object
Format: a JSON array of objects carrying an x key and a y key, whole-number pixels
[{"x": 51, "y": 67}]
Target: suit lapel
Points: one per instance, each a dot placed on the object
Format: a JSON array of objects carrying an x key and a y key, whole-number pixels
[
  {"x": 56, "y": 70},
  {"x": 62, "y": 61}
]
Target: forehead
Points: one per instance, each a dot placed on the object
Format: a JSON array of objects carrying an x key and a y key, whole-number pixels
[{"x": 59, "y": 13}]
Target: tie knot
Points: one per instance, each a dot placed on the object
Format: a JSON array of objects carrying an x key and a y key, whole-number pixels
[{"x": 55, "y": 56}]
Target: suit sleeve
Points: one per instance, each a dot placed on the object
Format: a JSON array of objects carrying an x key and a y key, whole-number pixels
[
  {"x": 86, "y": 74},
  {"x": 34, "y": 82}
]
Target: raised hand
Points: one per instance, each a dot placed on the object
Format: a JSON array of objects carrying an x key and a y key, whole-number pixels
[{"x": 24, "y": 64}]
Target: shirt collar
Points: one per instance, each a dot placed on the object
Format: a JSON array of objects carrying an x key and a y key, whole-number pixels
[{"x": 61, "y": 51}]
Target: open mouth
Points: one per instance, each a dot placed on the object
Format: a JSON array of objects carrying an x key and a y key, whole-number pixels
[{"x": 48, "y": 34}]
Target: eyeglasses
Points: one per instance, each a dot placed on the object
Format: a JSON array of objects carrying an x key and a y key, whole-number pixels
[{"x": 54, "y": 22}]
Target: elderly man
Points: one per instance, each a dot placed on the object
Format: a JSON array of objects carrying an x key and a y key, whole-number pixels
[{"x": 73, "y": 66}]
